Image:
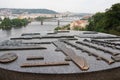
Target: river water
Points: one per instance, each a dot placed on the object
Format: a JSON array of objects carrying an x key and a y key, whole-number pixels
[{"x": 30, "y": 28}]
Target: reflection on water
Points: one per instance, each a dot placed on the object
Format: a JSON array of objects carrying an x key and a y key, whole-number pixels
[{"x": 30, "y": 28}]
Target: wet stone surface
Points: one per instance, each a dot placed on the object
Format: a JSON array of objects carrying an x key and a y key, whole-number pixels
[
  {"x": 50, "y": 55},
  {"x": 9, "y": 57}
]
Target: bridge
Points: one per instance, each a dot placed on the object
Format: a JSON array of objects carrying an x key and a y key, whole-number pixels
[{"x": 58, "y": 20}]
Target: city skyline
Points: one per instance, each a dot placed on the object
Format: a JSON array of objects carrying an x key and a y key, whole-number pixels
[{"x": 77, "y": 6}]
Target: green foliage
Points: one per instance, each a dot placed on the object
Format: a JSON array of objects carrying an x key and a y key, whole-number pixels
[
  {"x": 108, "y": 21},
  {"x": 57, "y": 28},
  {"x": 96, "y": 21},
  {"x": 66, "y": 27},
  {"x": 0, "y": 19},
  {"x": 113, "y": 17},
  {"x": 19, "y": 22},
  {"x": 8, "y": 24},
  {"x": 79, "y": 29}
]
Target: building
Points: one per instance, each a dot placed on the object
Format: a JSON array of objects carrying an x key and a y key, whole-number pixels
[{"x": 79, "y": 24}]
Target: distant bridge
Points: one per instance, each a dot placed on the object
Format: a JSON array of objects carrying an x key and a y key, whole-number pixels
[
  {"x": 51, "y": 20},
  {"x": 58, "y": 20}
]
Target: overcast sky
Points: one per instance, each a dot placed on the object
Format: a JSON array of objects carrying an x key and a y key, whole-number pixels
[{"x": 84, "y": 6}]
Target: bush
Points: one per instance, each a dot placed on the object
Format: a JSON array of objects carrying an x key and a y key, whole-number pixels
[
  {"x": 57, "y": 28},
  {"x": 66, "y": 27}
]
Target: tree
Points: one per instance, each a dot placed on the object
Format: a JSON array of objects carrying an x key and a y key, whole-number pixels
[
  {"x": 108, "y": 21},
  {"x": 113, "y": 17},
  {"x": 6, "y": 23},
  {"x": 96, "y": 21},
  {"x": 19, "y": 22},
  {"x": 0, "y": 19}
]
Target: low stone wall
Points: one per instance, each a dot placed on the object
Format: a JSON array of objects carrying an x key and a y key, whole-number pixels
[{"x": 113, "y": 74}]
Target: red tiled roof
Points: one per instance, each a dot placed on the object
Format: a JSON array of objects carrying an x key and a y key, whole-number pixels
[{"x": 80, "y": 21}]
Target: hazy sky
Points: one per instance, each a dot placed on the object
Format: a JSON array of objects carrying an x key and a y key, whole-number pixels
[{"x": 90, "y": 6}]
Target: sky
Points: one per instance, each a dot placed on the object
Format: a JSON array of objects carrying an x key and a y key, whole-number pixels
[{"x": 77, "y": 6}]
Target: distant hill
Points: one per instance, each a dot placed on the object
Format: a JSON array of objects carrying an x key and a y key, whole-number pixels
[{"x": 19, "y": 11}]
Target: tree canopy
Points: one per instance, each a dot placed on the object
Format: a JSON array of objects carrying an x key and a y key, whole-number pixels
[
  {"x": 108, "y": 22},
  {"x": 8, "y": 24}
]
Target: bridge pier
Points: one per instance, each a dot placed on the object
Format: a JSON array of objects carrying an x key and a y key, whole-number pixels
[
  {"x": 58, "y": 23},
  {"x": 41, "y": 22}
]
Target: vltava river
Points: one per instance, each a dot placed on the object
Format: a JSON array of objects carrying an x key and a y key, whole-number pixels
[{"x": 30, "y": 28}]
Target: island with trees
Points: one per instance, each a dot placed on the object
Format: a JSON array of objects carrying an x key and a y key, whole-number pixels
[{"x": 7, "y": 23}]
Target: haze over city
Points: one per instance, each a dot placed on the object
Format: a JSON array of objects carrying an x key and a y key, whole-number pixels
[{"x": 78, "y": 6}]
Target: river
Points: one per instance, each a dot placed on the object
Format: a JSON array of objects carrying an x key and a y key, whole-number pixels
[{"x": 30, "y": 28}]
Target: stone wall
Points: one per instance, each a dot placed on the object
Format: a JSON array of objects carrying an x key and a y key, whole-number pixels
[{"x": 113, "y": 74}]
